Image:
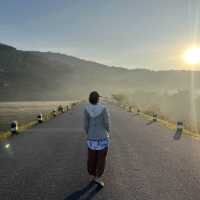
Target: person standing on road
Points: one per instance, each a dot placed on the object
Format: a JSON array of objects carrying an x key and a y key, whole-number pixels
[{"x": 97, "y": 128}]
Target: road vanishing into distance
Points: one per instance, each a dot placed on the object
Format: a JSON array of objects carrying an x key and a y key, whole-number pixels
[{"x": 145, "y": 162}]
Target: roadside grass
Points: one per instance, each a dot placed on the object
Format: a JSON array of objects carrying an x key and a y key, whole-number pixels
[
  {"x": 147, "y": 115},
  {"x": 46, "y": 117}
]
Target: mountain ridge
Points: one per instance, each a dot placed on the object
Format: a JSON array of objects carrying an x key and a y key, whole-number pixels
[{"x": 34, "y": 75}]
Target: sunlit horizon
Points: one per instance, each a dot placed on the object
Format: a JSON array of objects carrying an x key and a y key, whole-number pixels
[
  {"x": 186, "y": 63},
  {"x": 130, "y": 34},
  {"x": 192, "y": 56}
]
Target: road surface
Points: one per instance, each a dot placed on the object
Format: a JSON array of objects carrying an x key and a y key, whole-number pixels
[{"x": 145, "y": 162}]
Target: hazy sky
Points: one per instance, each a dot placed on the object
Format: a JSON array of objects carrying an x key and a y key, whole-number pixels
[{"x": 129, "y": 33}]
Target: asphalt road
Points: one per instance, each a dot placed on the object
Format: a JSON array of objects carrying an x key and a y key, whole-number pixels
[{"x": 145, "y": 162}]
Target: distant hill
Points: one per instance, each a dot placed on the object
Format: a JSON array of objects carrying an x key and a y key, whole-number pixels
[{"x": 27, "y": 75}]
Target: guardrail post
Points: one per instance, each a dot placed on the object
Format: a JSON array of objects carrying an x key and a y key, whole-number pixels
[
  {"x": 40, "y": 118},
  {"x": 155, "y": 117},
  {"x": 60, "y": 109},
  {"x": 179, "y": 126},
  {"x": 54, "y": 113},
  {"x": 14, "y": 127}
]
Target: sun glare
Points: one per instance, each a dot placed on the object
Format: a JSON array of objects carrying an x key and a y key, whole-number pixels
[{"x": 192, "y": 56}]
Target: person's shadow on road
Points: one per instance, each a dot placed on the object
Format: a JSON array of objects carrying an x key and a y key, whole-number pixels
[
  {"x": 177, "y": 135},
  {"x": 80, "y": 193},
  {"x": 150, "y": 122}
]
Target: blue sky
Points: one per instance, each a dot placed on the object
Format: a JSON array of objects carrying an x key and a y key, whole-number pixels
[{"x": 129, "y": 33}]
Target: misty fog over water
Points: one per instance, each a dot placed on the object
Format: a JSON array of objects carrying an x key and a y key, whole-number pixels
[{"x": 24, "y": 112}]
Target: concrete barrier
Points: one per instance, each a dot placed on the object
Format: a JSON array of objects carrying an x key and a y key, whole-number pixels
[
  {"x": 179, "y": 126},
  {"x": 155, "y": 117},
  {"x": 60, "y": 109},
  {"x": 40, "y": 118},
  {"x": 54, "y": 113},
  {"x": 14, "y": 127}
]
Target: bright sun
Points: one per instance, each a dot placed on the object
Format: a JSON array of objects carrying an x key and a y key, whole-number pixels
[{"x": 192, "y": 56}]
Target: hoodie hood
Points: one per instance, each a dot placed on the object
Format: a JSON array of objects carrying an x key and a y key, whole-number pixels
[{"x": 94, "y": 110}]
